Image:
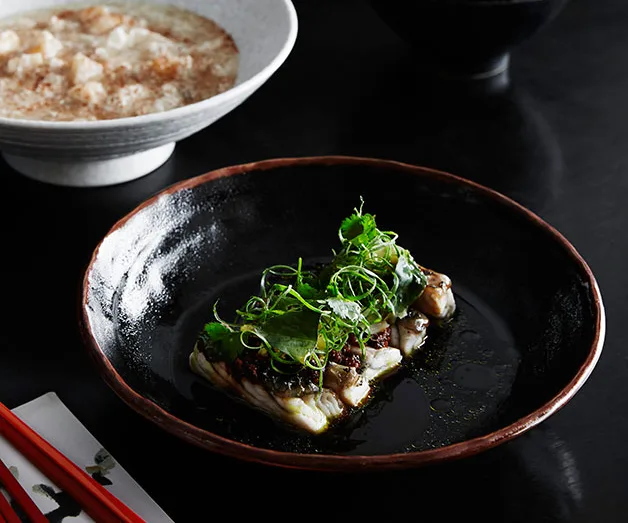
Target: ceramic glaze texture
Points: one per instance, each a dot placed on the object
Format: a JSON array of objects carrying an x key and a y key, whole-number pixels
[
  {"x": 519, "y": 349},
  {"x": 76, "y": 153}
]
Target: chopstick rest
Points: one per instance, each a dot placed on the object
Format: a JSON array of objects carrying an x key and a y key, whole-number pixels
[{"x": 95, "y": 500}]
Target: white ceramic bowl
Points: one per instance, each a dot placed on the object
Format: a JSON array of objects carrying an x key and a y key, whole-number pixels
[{"x": 107, "y": 152}]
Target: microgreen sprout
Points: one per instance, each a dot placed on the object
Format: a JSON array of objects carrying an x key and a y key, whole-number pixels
[{"x": 300, "y": 315}]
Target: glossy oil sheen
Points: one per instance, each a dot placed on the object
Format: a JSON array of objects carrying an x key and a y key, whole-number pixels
[
  {"x": 469, "y": 364},
  {"x": 527, "y": 324}
]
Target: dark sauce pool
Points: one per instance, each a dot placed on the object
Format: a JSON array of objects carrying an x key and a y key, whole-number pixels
[{"x": 451, "y": 390}]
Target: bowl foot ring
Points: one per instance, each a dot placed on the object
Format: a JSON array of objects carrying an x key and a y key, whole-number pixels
[{"x": 96, "y": 173}]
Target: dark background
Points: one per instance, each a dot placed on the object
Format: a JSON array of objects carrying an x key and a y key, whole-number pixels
[{"x": 554, "y": 137}]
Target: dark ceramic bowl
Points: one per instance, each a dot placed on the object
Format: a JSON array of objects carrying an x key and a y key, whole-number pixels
[
  {"x": 528, "y": 332},
  {"x": 466, "y": 37}
]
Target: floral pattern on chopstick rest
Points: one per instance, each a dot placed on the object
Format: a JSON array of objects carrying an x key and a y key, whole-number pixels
[{"x": 49, "y": 416}]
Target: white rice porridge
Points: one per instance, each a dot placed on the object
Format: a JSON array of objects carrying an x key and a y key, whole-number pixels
[{"x": 111, "y": 60}]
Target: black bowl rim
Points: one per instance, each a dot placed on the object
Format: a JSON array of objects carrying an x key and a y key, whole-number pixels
[{"x": 330, "y": 462}]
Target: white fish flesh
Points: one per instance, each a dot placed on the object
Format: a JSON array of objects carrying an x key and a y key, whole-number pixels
[
  {"x": 352, "y": 387},
  {"x": 410, "y": 332},
  {"x": 437, "y": 299},
  {"x": 313, "y": 411},
  {"x": 380, "y": 362},
  {"x": 344, "y": 386}
]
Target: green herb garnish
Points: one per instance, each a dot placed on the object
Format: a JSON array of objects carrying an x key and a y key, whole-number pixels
[{"x": 301, "y": 315}]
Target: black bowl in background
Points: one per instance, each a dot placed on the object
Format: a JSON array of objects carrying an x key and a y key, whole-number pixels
[
  {"x": 528, "y": 332},
  {"x": 470, "y": 38}
]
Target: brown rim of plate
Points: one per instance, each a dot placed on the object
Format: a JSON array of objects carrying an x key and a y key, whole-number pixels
[{"x": 222, "y": 445}]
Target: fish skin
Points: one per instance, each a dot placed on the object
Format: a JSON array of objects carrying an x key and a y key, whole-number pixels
[
  {"x": 437, "y": 299},
  {"x": 352, "y": 387},
  {"x": 313, "y": 411},
  {"x": 344, "y": 387}
]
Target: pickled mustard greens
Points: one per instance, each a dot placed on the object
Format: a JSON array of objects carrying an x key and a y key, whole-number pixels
[{"x": 301, "y": 315}]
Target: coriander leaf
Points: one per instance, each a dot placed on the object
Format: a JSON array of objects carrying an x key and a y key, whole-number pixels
[
  {"x": 307, "y": 291},
  {"x": 215, "y": 330},
  {"x": 348, "y": 310},
  {"x": 411, "y": 282},
  {"x": 294, "y": 333},
  {"x": 358, "y": 229},
  {"x": 221, "y": 342}
]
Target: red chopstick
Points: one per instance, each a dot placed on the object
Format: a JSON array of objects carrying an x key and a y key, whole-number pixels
[
  {"x": 96, "y": 500},
  {"x": 20, "y": 496},
  {"x": 7, "y": 514},
  {"x": 6, "y": 511}
]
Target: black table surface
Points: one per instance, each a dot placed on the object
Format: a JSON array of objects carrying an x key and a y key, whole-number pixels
[{"x": 553, "y": 137}]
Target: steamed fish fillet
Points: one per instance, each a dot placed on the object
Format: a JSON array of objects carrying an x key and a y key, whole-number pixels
[
  {"x": 437, "y": 299},
  {"x": 409, "y": 333},
  {"x": 344, "y": 386},
  {"x": 379, "y": 362},
  {"x": 313, "y": 411},
  {"x": 352, "y": 387}
]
